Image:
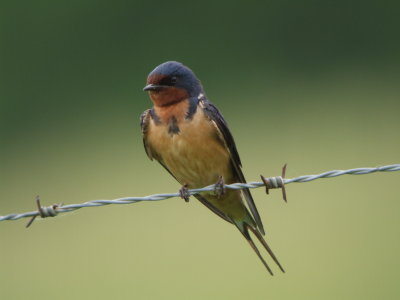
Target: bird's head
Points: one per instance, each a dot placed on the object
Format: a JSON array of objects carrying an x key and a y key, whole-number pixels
[{"x": 172, "y": 82}]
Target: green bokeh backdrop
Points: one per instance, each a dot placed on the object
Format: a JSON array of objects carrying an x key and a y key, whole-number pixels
[{"x": 311, "y": 83}]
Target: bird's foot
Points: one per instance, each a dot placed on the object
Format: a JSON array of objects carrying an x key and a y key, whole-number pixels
[
  {"x": 184, "y": 193},
  {"x": 219, "y": 189}
]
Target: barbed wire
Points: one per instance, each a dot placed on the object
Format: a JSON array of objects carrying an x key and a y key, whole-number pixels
[{"x": 269, "y": 183}]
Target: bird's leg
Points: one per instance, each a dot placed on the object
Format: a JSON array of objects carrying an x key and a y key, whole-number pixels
[
  {"x": 184, "y": 193},
  {"x": 219, "y": 189}
]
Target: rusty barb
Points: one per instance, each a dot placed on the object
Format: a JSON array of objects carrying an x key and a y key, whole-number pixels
[
  {"x": 276, "y": 183},
  {"x": 44, "y": 212}
]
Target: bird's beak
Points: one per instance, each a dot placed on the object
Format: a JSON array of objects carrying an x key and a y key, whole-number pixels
[{"x": 153, "y": 87}]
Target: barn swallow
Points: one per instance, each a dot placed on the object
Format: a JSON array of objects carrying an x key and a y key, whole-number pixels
[{"x": 189, "y": 137}]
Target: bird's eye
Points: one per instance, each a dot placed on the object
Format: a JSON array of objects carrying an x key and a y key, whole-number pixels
[{"x": 174, "y": 79}]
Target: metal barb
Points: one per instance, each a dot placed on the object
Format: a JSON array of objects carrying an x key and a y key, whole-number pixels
[
  {"x": 44, "y": 212},
  {"x": 283, "y": 182},
  {"x": 276, "y": 183}
]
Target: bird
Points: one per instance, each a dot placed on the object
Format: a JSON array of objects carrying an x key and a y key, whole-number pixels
[{"x": 190, "y": 138}]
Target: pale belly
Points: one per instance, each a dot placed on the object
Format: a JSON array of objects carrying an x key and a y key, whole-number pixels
[{"x": 194, "y": 156}]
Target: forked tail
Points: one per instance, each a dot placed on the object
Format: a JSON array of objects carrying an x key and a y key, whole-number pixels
[{"x": 244, "y": 229}]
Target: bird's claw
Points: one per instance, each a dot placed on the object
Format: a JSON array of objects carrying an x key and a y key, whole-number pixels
[
  {"x": 184, "y": 193},
  {"x": 219, "y": 189}
]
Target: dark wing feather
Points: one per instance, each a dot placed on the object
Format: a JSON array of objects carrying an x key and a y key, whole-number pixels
[
  {"x": 213, "y": 113},
  {"x": 212, "y": 207},
  {"x": 144, "y": 125}
]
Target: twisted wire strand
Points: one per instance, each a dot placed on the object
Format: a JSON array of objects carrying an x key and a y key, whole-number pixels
[{"x": 53, "y": 210}]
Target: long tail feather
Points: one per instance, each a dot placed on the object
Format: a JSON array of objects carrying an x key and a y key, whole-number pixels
[
  {"x": 244, "y": 229},
  {"x": 269, "y": 250},
  {"x": 248, "y": 238}
]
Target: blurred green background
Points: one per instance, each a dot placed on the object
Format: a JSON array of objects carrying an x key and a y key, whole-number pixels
[{"x": 311, "y": 83}]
